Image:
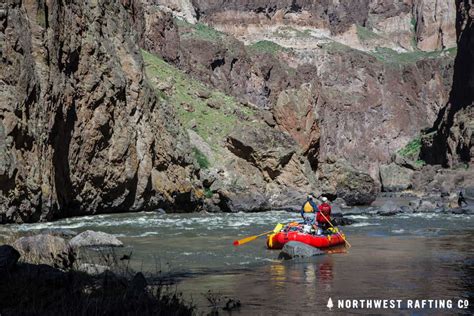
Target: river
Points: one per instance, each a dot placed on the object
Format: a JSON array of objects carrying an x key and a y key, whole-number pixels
[{"x": 406, "y": 257}]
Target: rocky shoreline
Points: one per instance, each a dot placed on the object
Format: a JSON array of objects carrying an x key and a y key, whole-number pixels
[{"x": 52, "y": 283}]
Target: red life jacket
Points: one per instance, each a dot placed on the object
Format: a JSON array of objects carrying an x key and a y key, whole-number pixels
[{"x": 326, "y": 210}]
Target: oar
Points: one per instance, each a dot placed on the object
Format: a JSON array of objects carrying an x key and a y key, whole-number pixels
[
  {"x": 249, "y": 239},
  {"x": 342, "y": 235}
]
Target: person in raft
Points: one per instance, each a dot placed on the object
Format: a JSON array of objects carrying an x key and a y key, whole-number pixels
[
  {"x": 308, "y": 210},
  {"x": 323, "y": 221}
]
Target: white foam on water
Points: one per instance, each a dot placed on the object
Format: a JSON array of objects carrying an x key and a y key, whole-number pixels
[
  {"x": 398, "y": 231},
  {"x": 357, "y": 216},
  {"x": 363, "y": 224},
  {"x": 146, "y": 234}
]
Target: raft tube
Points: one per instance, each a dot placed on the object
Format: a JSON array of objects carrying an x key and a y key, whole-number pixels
[{"x": 278, "y": 240}]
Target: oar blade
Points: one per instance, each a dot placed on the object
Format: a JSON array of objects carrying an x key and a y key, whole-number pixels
[
  {"x": 244, "y": 241},
  {"x": 277, "y": 228}
]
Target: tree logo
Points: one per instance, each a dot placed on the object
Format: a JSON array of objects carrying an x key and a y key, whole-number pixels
[{"x": 330, "y": 304}]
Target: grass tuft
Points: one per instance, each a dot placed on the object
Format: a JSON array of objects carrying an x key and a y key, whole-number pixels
[
  {"x": 388, "y": 55},
  {"x": 267, "y": 47},
  {"x": 199, "y": 31},
  {"x": 365, "y": 34}
]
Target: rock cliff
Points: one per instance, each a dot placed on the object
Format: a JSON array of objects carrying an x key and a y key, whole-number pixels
[
  {"x": 451, "y": 139},
  {"x": 279, "y": 98},
  {"x": 333, "y": 95},
  {"x": 81, "y": 132}
]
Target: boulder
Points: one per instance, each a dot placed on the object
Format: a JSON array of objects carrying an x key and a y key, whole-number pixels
[
  {"x": 243, "y": 201},
  {"x": 406, "y": 162},
  {"x": 8, "y": 258},
  {"x": 268, "y": 118},
  {"x": 296, "y": 249},
  {"x": 267, "y": 149},
  {"x": 469, "y": 193},
  {"x": 342, "y": 221},
  {"x": 395, "y": 178},
  {"x": 41, "y": 246},
  {"x": 203, "y": 93},
  {"x": 428, "y": 206},
  {"x": 215, "y": 103},
  {"x": 338, "y": 178},
  {"x": 390, "y": 208},
  {"x": 91, "y": 238}
]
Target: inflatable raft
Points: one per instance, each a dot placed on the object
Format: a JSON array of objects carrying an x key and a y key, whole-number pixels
[{"x": 278, "y": 240}]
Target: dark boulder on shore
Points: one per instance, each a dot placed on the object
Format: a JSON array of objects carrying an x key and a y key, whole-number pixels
[
  {"x": 41, "y": 246},
  {"x": 295, "y": 249},
  {"x": 8, "y": 258}
]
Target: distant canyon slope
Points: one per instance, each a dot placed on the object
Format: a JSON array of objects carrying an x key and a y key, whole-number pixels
[{"x": 110, "y": 106}]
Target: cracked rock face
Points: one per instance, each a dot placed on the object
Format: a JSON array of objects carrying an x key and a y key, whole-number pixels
[
  {"x": 451, "y": 139},
  {"x": 80, "y": 130}
]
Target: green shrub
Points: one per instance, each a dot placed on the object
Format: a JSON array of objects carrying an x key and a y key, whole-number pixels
[
  {"x": 201, "y": 159},
  {"x": 208, "y": 193},
  {"x": 412, "y": 149}
]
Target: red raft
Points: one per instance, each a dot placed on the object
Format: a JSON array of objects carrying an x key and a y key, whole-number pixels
[{"x": 278, "y": 240}]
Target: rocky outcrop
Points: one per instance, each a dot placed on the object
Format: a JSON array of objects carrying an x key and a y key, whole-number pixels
[
  {"x": 434, "y": 24},
  {"x": 338, "y": 179},
  {"x": 8, "y": 258},
  {"x": 41, "y": 246},
  {"x": 91, "y": 238},
  {"x": 157, "y": 31},
  {"x": 451, "y": 139},
  {"x": 81, "y": 132},
  {"x": 269, "y": 150},
  {"x": 395, "y": 178},
  {"x": 261, "y": 170}
]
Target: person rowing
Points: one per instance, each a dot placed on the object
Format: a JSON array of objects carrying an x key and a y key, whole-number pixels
[
  {"x": 308, "y": 210},
  {"x": 323, "y": 216}
]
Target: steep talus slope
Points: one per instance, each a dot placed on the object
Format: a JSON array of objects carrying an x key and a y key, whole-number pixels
[
  {"x": 452, "y": 138},
  {"x": 81, "y": 132}
]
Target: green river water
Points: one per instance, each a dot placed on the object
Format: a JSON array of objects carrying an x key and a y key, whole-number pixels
[{"x": 406, "y": 257}]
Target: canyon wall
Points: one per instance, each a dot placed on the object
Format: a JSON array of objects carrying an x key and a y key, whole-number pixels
[
  {"x": 81, "y": 132},
  {"x": 451, "y": 139}
]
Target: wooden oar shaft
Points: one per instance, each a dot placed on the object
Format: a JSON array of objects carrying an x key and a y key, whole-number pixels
[{"x": 327, "y": 220}]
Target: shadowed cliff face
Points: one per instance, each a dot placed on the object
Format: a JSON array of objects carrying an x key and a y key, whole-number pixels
[
  {"x": 80, "y": 130},
  {"x": 452, "y": 137}
]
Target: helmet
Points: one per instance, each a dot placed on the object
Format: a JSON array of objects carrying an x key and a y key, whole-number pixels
[
  {"x": 310, "y": 196},
  {"x": 324, "y": 199}
]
